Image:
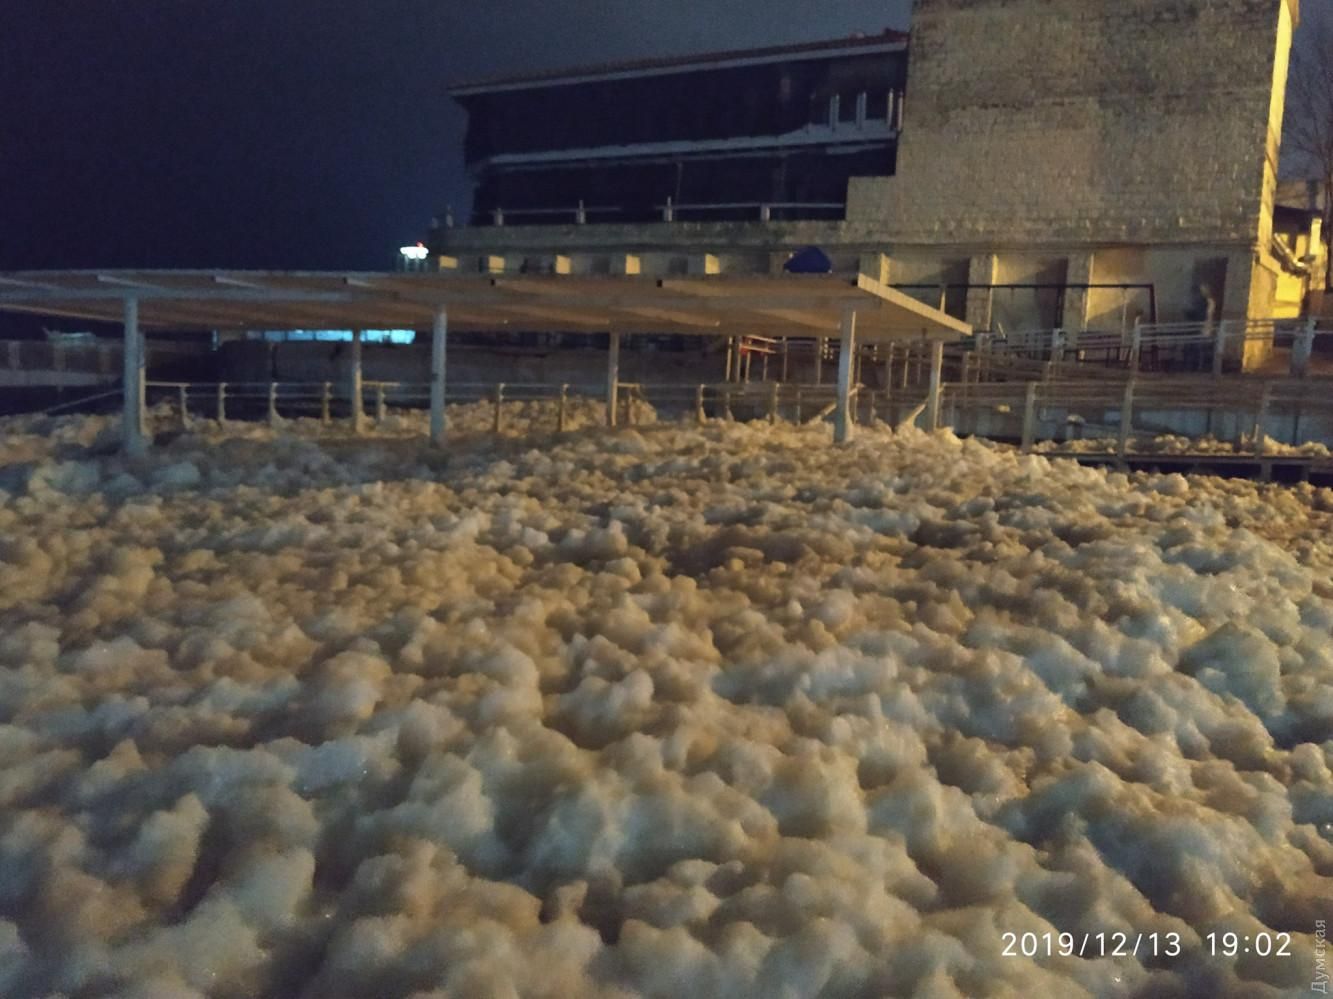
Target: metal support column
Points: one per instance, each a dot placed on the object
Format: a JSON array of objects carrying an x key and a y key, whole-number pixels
[
  {"x": 354, "y": 386},
  {"x": 936, "y": 374},
  {"x": 1029, "y": 416},
  {"x": 842, "y": 420},
  {"x": 134, "y": 418},
  {"x": 612, "y": 378},
  {"x": 1126, "y": 419},
  {"x": 439, "y": 344}
]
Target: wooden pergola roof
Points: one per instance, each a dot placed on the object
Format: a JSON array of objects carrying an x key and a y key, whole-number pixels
[{"x": 717, "y": 305}]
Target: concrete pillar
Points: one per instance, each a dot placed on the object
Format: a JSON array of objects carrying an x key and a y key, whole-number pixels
[
  {"x": 612, "y": 378},
  {"x": 981, "y": 271},
  {"x": 842, "y": 420},
  {"x": 1250, "y": 289},
  {"x": 354, "y": 385},
  {"x": 134, "y": 418},
  {"x": 1078, "y": 270},
  {"x": 875, "y": 266},
  {"x": 439, "y": 343}
]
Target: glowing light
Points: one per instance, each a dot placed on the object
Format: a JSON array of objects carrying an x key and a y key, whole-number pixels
[{"x": 418, "y": 252}]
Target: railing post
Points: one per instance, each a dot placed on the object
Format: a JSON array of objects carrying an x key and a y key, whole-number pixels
[
  {"x": 1261, "y": 419},
  {"x": 1126, "y": 417},
  {"x": 798, "y": 403},
  {"x": 381, "y": 409},
  {"x": 933, "y": 398},
  {"x": 1029, "y": 416},
  {"x": 870, "y": 406},
  {"x": 669, "y": 211},
  {"x": 1219, "y": 346},
  {"x": 819, "y": 360},
  {"x": 699, "y": 404},
  {"x": 272, "y": 403},
  {"x": 325, "y": 399},
  {"x": 1301, "y": 348},
  {"x": 1135, "y": 345},
  {"x": 497, "y": 216},
  {"x": 182, "y": 402},
  {"x": 785, "y": 350},
  {"x": 726, "y": 402},
  {"x": 499, "y": 402},
  {"x": 560, "y": 410},
  {"x": 1057, "y": 347},
  {"x": 773, "y": 402},
  {"x": 581, "y": 214},
  {"x": 222, "y": 402}
]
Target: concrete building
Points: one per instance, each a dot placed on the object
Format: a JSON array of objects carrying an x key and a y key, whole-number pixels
[
  {"x": 1053, "y": 163},
  {"x": 715, "y": 136}
]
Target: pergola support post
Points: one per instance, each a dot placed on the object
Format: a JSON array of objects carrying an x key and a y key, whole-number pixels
[
  {"x": 134, "y": 417},
  {"x": 354, "y": 388},
  {"x": 842, "y": 421},
  {"x": 439, "y": 344},
  {"x": 936, "y": 374},
  {"x": 612, "y": 378},
  {"x": 1126, "y": 418},
  {"x": 1029, "y": 416}
]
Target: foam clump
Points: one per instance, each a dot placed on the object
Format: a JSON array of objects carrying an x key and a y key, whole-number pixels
[{"x": 714, "y": 710}]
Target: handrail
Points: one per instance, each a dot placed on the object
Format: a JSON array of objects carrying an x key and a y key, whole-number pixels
[{"x": 81, "y": 401}]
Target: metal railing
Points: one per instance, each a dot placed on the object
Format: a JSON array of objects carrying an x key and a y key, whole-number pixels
[
  {"x": 274, "y": 401},
  {"x": 1216, "y": 347},
  {"x": 670, "y": 211},
  {"x": 100, "y": 357},
  {"x": 761, "y": 210},
  {"x": 1250, "y": 411}
]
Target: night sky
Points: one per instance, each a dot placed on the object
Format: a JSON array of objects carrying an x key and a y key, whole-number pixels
[{"x": 295, "y": 133}]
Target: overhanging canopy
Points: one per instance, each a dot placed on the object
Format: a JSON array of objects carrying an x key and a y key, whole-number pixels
[{"x": 781, "y": 306}]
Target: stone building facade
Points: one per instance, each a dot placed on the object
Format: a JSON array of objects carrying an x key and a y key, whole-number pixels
[{"x": 1075, "y": 163}]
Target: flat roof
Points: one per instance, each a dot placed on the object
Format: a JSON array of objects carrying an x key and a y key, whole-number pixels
[
  {"x": 788, "y": 305},
  {"x": 888, "y": 40}
]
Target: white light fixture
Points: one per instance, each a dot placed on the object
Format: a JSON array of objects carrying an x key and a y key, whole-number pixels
[{"x": 418, "y": 252}]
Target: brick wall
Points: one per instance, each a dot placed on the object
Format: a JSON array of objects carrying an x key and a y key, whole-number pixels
[{"x": 1085, "y": 122}]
